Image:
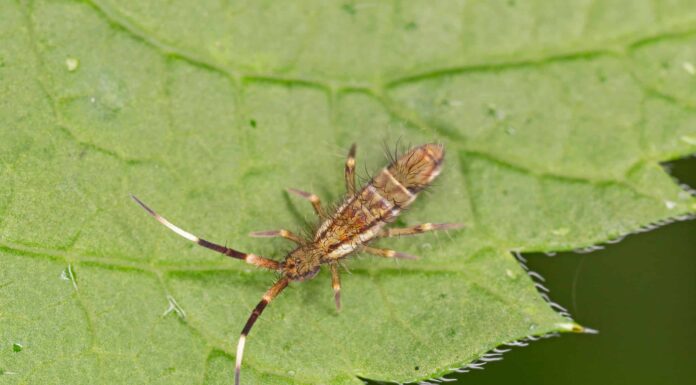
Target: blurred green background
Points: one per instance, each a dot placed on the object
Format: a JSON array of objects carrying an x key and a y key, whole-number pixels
[{"x": 641, "y": 295}]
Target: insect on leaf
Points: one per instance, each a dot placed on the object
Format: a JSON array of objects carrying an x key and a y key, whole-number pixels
[{"x": 554, "y": 119}]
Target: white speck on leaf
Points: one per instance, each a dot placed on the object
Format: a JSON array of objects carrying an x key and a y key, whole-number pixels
[
  {"x": 72, "y": 63},
  {"x": 174, "y": 307},
  {"x": 68, "y": 275}
]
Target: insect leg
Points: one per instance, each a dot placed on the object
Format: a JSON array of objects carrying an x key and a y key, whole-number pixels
[
  {"x": 265, "y": 300},
  {"x": 312, "y": 198},
  {"x": 350, "y": 171},
  {"x": 387, "y": 253},
  {"x": 252, "y": 259},
  {"x": 419, "y": 229},
  {"x": 277, "y": 233},
  {"x": 336, "y": 284}
]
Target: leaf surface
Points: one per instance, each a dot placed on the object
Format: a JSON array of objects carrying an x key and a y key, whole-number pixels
[{"x": 554, "y": 119}]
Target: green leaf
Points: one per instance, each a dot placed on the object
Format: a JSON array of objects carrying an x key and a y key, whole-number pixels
[{"x": 554, "y": 118}]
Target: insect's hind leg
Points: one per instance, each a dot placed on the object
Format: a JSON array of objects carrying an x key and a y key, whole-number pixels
[
  {"x": 312, "y": 198},
  {"x": 418, "y": 229},
  {"x": 350, "y": 171},
  {"x": 249, "y": 258}
]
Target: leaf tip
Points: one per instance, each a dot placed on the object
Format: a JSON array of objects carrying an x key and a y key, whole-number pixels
[{"x": 576, "y": 328}]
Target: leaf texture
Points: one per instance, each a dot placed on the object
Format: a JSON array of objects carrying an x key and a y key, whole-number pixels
[{"x": 554, "y": 118}]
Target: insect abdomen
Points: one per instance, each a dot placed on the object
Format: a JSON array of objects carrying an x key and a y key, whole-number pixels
[
  {"x": 405, "y": 177},
  {"x": 392, "y": 189}
]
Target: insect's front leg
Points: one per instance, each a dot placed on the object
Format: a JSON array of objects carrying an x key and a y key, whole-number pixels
[{"x": 277, "y": 233}]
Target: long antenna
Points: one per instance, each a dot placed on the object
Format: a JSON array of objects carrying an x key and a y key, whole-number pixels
[
  {"x": 252, "y": 259},
  {"x": 265, "y": 300}
]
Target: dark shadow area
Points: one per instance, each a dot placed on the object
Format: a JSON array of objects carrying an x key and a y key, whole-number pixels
[{"x": 639, "y": 293}]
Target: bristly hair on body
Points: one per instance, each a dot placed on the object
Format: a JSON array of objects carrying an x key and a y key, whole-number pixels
[{"x": 347, "y": 228}]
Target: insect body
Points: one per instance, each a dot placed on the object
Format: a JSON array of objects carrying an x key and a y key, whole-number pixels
[{"x": 361, "y": 218}]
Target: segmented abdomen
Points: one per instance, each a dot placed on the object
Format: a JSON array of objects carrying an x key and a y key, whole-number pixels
[{"x": 396, "y": 186}]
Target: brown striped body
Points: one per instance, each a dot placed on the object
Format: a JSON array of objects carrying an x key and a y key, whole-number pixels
[
  {"x": 362, "y": 216},
  {"x": 358, "y": 220}
]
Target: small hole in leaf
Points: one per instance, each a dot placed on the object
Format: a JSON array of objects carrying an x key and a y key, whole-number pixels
[
  {"x": 17, "y": 347},
  {"x": 252, "y": 123},
  {"x": 417, "y": 368}
]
